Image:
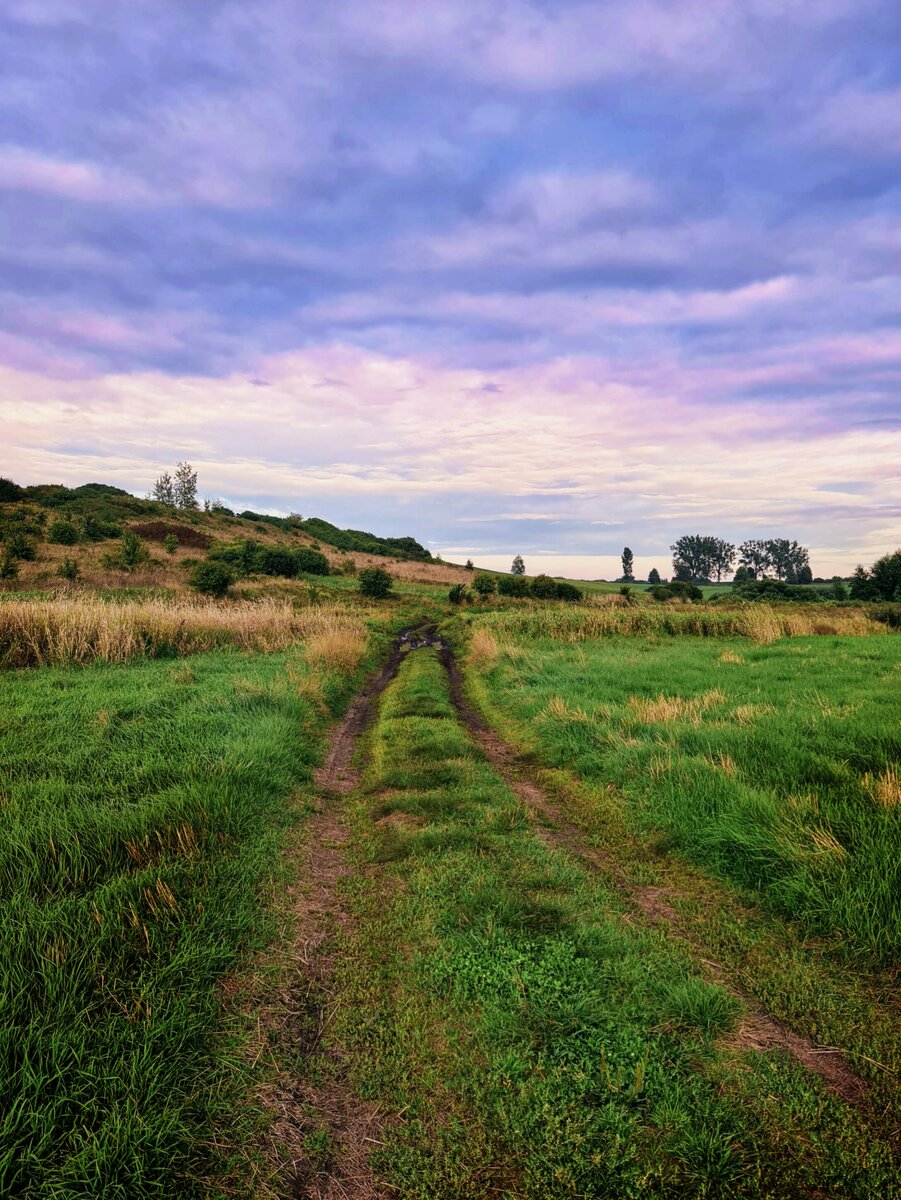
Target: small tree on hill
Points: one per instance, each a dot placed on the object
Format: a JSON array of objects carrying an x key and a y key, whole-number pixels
[
  {"x": 185, "y": 486},
  {"x": 164, "y": 489},
  {"x": 653, "y": 575},
  {"x": 375, "y": 583},
  {"x": 628, "y": 560},
  {"x": 518, "y": 567}
]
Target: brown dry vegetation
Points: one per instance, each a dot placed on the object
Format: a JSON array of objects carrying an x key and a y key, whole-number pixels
[{"x": 78, "y": 628}]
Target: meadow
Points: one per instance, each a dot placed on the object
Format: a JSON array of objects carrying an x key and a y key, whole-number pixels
[{"x": 773, "y": 764}]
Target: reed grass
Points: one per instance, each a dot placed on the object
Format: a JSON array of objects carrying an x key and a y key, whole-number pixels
[
  {"x": 763, "y": 624},
  {"x": 80, "y": 628}
]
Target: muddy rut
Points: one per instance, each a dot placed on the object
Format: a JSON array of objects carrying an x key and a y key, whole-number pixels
[{"x": 759, "y": 1030}]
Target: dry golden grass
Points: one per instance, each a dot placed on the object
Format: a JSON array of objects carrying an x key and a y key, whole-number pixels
[
  {"x": 604, "y": 617},
  {"x": 557, "y": 708},
  {"x": 78, "y": 628},
  {"x": 729, "y": 656},
  {"x": 665, "y": 709},
  {"x": 483, "y": 650},
  {"x": 747, "y": 714},
  {"x": 885, "y": 788},
  {"x": 340, "y": 648}
]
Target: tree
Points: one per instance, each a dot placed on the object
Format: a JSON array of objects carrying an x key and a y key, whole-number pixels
[
  {"x": 886, "y": 576},
  {"x": 627, "y": 561},
  {"x": 485, "y": 585},
  {"x": 212, "y": 578},
  {"x": 653, "y": 576},
  {"x": 862, "y": 586},
  {"x": 704, "y": 557},
  {"x": 754, "y": 555},
  {"x": 544, "y": 587},
  {"x": 185, "y": 486},
  {"x": 787, "y": 558},
  {"x": 469, "y": 566},
  {"x": 518, "y": 567},
  {"x": 170, "y": 543},
  {"x": 164, "y": 489},
  {"x": 805, "y": 575},
  {"x": 742, "y": 575}
]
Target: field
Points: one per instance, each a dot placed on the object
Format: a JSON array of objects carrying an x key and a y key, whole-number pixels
[{"x": 595, "y": 900}]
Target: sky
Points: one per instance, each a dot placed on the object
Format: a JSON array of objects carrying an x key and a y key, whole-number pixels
[{"x": 539, "y": 276}]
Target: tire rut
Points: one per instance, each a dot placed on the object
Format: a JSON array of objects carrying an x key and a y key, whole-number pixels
[
  {"x": 298, "y": 1020},
  {"x": 759, "y": 1030}
]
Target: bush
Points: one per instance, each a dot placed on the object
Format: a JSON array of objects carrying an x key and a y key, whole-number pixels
[
  {"x": 775, "y": 590},
  {"x": 375, "y": 582},
  {"x": 62, "y": 533},
  {"x": 311, "y": 562},
  {"x": 469, "y": 565},
  {"x": 94, "y": 530},
  {"x": 677, "y": 589},
  {"x": 485, "y": 585},
  {"x": 347, "y": 566},
  {"x": 568, "y": 591},
  {"x": 458, "y": 593},
  {"x": 543, "y": 587},
  {"x": 272, "y": 560},
  {"x": 22, "y": 547},
  {"x": 212, "y": 578},
  {"x": 170, "y": 543},
  {"x": 133, "y": 551},
  {"x": 513, "y": 585},
  {"x": 9, "y": 490},
  {"x": 68, "y": 569},
  {"x": 9, "y": 568},
  {"x": 886, "y": 576}
]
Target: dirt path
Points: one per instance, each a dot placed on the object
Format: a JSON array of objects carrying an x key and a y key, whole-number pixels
[
  {"x": 759, "y": 1030},
  {"x": 324, "y": 1130}
]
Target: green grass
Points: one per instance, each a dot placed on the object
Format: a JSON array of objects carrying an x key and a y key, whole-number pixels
[
  {"x": 143, "y": 807},
  {"x": 770, "y": 765},
  {"x": 533, "y": 1040}
]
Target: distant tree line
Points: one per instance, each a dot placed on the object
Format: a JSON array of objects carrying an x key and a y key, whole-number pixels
[
  {"x": 882, "y": 582},
  {"x": 698, "y": 558}
]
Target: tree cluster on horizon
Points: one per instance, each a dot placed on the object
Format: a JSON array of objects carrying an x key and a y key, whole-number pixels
[{"x": 702, "y": 556}]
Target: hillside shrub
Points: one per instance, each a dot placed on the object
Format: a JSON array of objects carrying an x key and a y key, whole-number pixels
[
  {"x": 68, "y": 569},
  {"x": 542, "y": 587},
  {"x": 95, "y": 530},
  {"x": 485, "y": 585},
  {"x": 375, "y": 583},
  {"x": 8, "y": 490},
  {"x": 20, "y": 546},
  {"x": 312, "y": 562},
  {"x": 62, "y": 533},
  {"x": 9, "y": 568},
  {"x": 211, "y": 578},
  {"x": 458, "y": 593},
  {"x": 568, "y": 591},
  {"x": 133, "y": 551},
  {"x": 273, "y": 560},
  {"x": 776, "y": 590},
  {"x": 513, "y": 585},
  {"x": 170, "y": 543},
  {"x": 677, "y": 589}
]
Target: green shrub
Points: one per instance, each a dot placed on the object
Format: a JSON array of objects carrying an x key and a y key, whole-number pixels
[
  {"x": 95, "y": 530},
  {"x": 886, "y": 576},
  {"x": 458, "y": 593},
  {"x": 9, "y": 568},
  {"x": 68, "y": 569},
  {"x": 311, "y": 562},
  {"x": 170, "y": 543},
  {"x": 212, "y": 578},
  {"x": 485, "y": 585},
  {"x": 375, "y": 582},
  {"x": 62, "y": 533},
  {"x": 133, "y": 551},
  {"x": 513, "y": 585},
  {"x": 273, "y": 560},
  {"x": 347, "y": 566},
  {"x": 568, "y": 591},
  {"x": 21, "y": 546},
  {"x": 543, "y": 587},
  {"x": 9, "y": 490}
]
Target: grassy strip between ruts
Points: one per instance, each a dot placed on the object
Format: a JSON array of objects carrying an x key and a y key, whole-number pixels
[
  {"x": 142, "y": 805},
  {"x": 532, "y": 1040}
]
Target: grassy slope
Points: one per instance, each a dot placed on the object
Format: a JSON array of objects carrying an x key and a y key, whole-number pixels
[
  {"x": 766, "y": 768},
  {"x": 531, "y": 1039},
  {"x": 142, "y": 807}
]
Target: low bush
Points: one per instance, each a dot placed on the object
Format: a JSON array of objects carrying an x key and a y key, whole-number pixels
[
  {"x": 458, "y": 593},
  {"x": 20, "y": 546},
  {"x": 211, "y": 578},
  {"x": 569, "y": 591},
  {"x": 95, "y": 530},
  {"x": 677, "y": 589},
  {"x": 513, "y": 585},
  {"x": 485, "y": 585},
  {"x": 62, "y": 533},
  {"x": 9, "y": 568},
  {"x": 312, "y": 562},
  {"x": 273, "y": 560},
  {"x": 375, "y": 583},
  {"x": 542, "y": 587},
  {"x": 170, "y": 543},
  {"x": 68, "y": 569}
]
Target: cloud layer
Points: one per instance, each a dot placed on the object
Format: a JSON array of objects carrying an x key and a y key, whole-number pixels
[{"x": 537, "y": 277}]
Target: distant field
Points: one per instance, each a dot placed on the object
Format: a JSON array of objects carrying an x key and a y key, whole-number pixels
[{"x": 774, "y": 765}]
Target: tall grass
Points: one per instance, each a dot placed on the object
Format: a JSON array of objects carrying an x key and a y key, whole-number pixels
[
  {"x": 82, "y": 628},
  {"x": 762, "y": 623}
]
